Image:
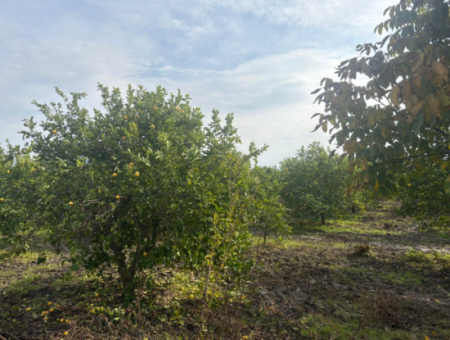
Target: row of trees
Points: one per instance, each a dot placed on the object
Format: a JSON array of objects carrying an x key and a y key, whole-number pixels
[{"x": 145, "y": 184}]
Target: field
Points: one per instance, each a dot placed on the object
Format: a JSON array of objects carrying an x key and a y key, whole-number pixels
[{"x": 372, "y": 276}]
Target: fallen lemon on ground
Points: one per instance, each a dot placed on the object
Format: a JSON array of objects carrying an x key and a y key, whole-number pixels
[
  {"x": 28, "y": 309},
  {"x": 66, "y": 333}
]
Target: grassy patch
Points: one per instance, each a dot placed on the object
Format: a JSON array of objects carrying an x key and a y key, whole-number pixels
[
  {"x": 312, "y": 285},
  {"x": 405, "y": 278}
]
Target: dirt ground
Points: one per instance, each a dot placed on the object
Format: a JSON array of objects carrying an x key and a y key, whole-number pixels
[{"x": 371, "y": 276}]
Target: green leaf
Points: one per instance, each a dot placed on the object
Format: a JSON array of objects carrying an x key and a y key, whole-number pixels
[
  {"x": 417, "y": 123},
  {"x": 447, "y": 184}
]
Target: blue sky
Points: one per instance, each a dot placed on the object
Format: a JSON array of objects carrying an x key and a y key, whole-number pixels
[{"x": 259, "y": 59}]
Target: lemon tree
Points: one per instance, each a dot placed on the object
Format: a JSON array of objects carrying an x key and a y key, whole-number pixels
[
  {"x": 269, "y": 215},
  {"x": 20, "y": 184},
  {"x": 315, "y": 184},
  {"x": 142, "y": 183},
  {"x": 422, "y": 195}
]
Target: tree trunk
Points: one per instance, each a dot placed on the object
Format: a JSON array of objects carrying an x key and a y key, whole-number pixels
[
  {"x": 353, "y": 209},
  {"x": 322, "y": 216},
  {"x": 265, "y": 239}
]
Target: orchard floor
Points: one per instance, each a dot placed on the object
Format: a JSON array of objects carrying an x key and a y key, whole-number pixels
[{"x": 374, "y": 276}]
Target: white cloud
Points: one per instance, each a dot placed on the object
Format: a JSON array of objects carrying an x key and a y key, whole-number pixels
[
  {"x": 257, "y": 58},
  {"x": 315, "y": 13}
]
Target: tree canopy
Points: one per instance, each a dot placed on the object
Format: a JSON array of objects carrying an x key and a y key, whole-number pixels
[
  {"x": 141, "y": 184},
  {"x": 400, "y": 119}
]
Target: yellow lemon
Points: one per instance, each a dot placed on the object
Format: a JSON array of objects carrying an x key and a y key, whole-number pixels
[
  {"x": 54, "y": 131},
  {"x": 50, "y": 303},
  {"x": 67, "y": 321},
  {"x": 182, "y": 111},
  {"x": 145, "y": 254},
  {"x": 126, "y": 117},
  {"x": 62, "y": 320},
  {"x": 2, "y": 199},
  {"x": 191, "y": 296},
  {"x": 70, "y": 203},
  {"x": 136, "y": 174},
  {"x": 152, "y": 126},
  {"x": 155, "y": 108},
  {"x": 245, "y": 337},
  {"x": 118, "y": 197},
  {"x": 115, "y": 174},
  {"x": 66, "y": 333},
  {"x": 51, "y": 310},
  {"x": 7, "y": 171},
  {"x": 409, "y": 184},
  {"x": 28, "y": 309},
  {"x": 124, "y": 138}
]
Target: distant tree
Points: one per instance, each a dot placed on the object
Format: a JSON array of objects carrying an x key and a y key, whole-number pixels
[
  {"x": 20, "y": 187},
  {"x": 423, "y": 197},
  {"x": 268, "y": 214},
  {"x": 315, "y": 183}
]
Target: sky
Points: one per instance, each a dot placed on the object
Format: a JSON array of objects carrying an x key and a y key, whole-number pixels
[{"x": 258, "y": 59}]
